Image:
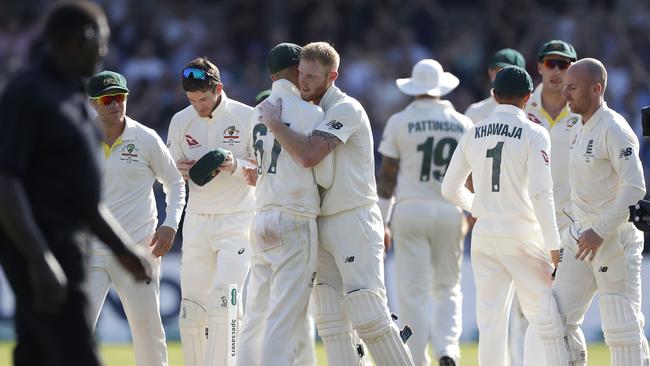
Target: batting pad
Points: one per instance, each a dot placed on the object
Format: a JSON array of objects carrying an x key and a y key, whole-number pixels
[
  {"x": 191, "y": 324},
  {"x": 218, "y": 334},
  {"x": 577, "y": 345},
  {"x": 551, "y": 331},
  {"x": 623, "y": 330},
  {"x": 371, "y": 319},
  {"x": 334, "y": 329}
]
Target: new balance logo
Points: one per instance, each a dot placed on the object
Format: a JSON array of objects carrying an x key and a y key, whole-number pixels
[
  {"x": 349, "y": 259},
  {"x": 334, "y": 125},
  {"x": 625, "y": 153},
  {"x": 603, "y": 269}
]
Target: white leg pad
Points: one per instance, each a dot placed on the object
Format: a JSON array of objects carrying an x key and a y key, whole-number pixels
[
  {"x": 577, "y": 345},
  {"x": 623, "y": 330},
  {"x": 552, "y": 333},
  {"x": 218, "y": 338},
  {"x": 191, "y": 324},
  {"x": 334, "y": 329},
  {"x": 369, "y": 315}
]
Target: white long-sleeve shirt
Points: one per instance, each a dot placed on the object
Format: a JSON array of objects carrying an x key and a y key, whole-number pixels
[
  {"x": 559, "y": 130},
  {"x": 135, "y": 160},
  {"x": 509, "y": 158},
  {"x": 606, "y": 173},
  {"x": 282, "y": 182},
  {"x": 354, "y": 182},
  {"x": 480, "y": 110},
  {"x": 192, "y": 136},
  {"x": 423, "y": 137}
]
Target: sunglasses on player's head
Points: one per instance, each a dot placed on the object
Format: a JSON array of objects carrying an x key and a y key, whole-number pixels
[
  {"x": 195, "y": 73},
  {"x": 561, "y": 64},
  {"x": 108, "y": 99}
]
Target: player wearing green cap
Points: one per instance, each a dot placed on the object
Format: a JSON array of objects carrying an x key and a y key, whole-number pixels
[{"x": 515, "y": 239}]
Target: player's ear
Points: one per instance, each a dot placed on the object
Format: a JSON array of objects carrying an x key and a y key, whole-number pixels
[{"x": 333, "y": 75}]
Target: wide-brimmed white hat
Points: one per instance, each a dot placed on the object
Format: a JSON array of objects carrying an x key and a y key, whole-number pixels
[{"x": 428, "y": 78}]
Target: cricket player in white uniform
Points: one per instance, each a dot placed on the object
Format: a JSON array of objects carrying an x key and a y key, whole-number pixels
[
  {"x": 505, "y": 57},
  {"x": 284, "y": 239},
  {"x": 515, "y": 239},
  {"x": 417, "y": 146},
  {"x": 218, "y": 215},
  {"x": 548, "y": 107},
  {"x": 478, "y": 112},
  {"x": 135, "y": 157},
  {"x": 602, "y": 251},
  {"x": 349, "y": 290}
]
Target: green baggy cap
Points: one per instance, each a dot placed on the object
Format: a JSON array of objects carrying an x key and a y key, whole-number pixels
[
  {"x": 282, "y": 56},
  {"x": 507, "y": 57},
  {"x": 106, "y": 82},
  {"x": 513, "y": 80},
  {"x": 207, "y": 167},
  {"x": 557, "y": 47}
]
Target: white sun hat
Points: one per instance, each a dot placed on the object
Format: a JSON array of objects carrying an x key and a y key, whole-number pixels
[{"x": 428, "y": 78}]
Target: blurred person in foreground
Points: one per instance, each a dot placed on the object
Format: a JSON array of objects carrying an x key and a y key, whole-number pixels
[{"x": 50, "y": 190}]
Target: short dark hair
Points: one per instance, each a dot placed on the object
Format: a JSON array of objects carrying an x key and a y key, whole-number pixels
[
  {"x": 193, "y": 84},
  {"x": 70, "y": 20}
]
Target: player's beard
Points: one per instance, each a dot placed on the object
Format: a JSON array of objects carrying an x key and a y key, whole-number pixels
[{"x": 315, "y": 93}]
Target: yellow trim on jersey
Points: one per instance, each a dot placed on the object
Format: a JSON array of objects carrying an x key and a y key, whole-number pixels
[
  {"x": 563, "y": 113},
  {"x": 109, "y": 149}
]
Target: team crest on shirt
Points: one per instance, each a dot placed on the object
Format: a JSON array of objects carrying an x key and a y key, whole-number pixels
[
  {"x": 129, "y": 153},
  {"x": 191, "y": 142},
  {"x": 572, "y": 121},
  {"x": 589, "y": 152},
  {"x": 231, "y": 135}
]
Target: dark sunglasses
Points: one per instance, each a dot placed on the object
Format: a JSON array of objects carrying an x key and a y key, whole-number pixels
[
  {"x": 194, "y": 73},
  {"x": 551, "y": 64},
  {"x": 108, "y": 99}
]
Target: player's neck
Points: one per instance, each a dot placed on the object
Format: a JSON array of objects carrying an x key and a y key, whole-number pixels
[
  {"x": 590, "y": 112},
  {"x": 552, "y": 102},
  {"x": 113, "y": 130}
]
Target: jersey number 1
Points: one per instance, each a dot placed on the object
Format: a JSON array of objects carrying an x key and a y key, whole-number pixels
[{"x": 495, "y": 154}]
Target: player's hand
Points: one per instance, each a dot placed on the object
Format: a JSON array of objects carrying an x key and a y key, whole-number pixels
[
  {"x": 229, "y": 163},
  {"x": 588, "y": 244},
  {"x": 48, "y": 284},
  {"x": 555, "y": 258},
  {"x": 184, "y": 166},
  {"x": 388, "y": 239},
  {"x": 250, "y": 174},
  {"x": 269, "y": 112},
  {"x": 162, "y": 240},
  {"x": 135, "y": 263}
]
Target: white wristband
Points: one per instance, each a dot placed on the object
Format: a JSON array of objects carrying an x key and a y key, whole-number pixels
[
  {"x": 241, "y": 163},
  {"x": 385, "y": 206}
]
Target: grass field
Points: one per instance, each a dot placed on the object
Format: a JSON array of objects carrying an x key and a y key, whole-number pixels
[{"x": 122, "y": 354}]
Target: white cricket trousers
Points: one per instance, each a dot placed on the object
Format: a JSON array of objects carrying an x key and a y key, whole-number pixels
[
  {"x": 215, "y": 253},
  {"x": 499, "y": 263},
  {"x": 141, "y": 302},
  {"x": 428, "y": 248},
  {"x": 615, "y": 273},
  {"x": 283, "y": 266}
]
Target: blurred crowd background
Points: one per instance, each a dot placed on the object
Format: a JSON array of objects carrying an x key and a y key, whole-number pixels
[{"x": 379, "y": 41}]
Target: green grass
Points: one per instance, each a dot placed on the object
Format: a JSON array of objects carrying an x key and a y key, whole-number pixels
[{"x": 122, "y": 354}]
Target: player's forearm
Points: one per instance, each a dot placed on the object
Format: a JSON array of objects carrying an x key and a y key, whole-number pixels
[
  {"x": 544, "y": 208},
  {"x": 108, "y": 230},
  {"x": 175, "y": 201},
  {"x": 296, "y": 144},
  {"x": 618, "y": 212},
  {"x": 387, "y": 177},
  {"x": 18, "y": 221}
]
